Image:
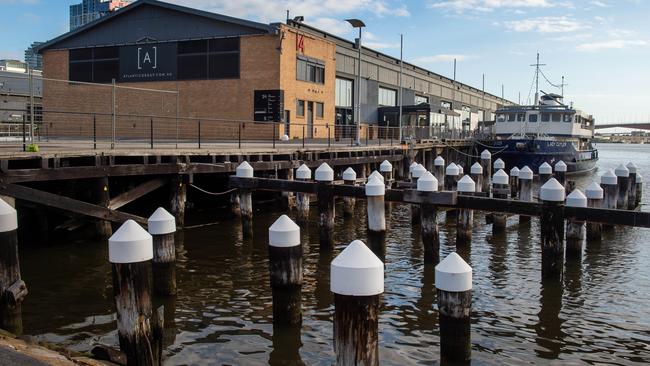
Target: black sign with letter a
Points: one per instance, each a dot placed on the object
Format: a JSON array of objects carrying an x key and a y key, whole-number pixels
[{"x": 148, "y": 62}]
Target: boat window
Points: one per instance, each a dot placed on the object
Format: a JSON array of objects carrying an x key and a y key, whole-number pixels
[
  {"x": 546, "y": 117},
  {"x": 556, "y": 117},
  {"x": 532, "y": 118},
  {"x": 501, "y": 117},
  {"x": 567, "y": 118},
  {"x": 521, "y": 117},
  {"x": 511, "y": 117}
]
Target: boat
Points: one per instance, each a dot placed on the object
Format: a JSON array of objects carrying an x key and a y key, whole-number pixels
[{"x": 546, "y": 132}]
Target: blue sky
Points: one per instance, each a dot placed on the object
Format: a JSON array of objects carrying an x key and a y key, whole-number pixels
[{"x": 602, "y": 47}]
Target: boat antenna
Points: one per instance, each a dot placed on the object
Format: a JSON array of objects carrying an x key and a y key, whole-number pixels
[{"x": 537, "y": 65}]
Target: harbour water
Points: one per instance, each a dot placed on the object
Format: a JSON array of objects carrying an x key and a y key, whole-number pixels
[{"x": 600, "y": 313}]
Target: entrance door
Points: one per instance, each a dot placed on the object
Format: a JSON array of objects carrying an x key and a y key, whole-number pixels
[
  {"x": 287, "y": 123},
  {"x": 310, "y": 120}
]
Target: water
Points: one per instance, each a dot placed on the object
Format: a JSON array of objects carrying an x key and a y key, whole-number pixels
[{"x": 600, "y": 313}]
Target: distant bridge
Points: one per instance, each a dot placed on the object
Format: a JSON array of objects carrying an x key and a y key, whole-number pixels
[{"x": 640, "y": 126}]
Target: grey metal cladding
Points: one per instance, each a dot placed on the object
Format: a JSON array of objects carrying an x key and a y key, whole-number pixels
[{"x": 369, "y": 100}]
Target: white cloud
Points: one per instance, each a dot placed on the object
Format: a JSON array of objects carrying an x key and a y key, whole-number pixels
[
  {"x": 612, "y": 44},
  {"x": 460, "y": 6},
  {"x": 561, "y": 24},
  {"x": 599, "y": 4},
  {"x": 441, "y": 58}
]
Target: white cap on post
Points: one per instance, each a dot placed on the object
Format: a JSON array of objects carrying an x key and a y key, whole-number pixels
[
  {"x": 385, "y": 167},
  {"x": 8, "y": 217},
  {"x": 375, "y": 187},
  {"x": 418, "y": 171},
  {"x": 130, "y": 244},
  {"x": 461, "y": 171},
  {"x": 639, "y": 178},
  {"x": 526, "y": 173},
  {"x": 244, "y": 170},
  {"x": 608, "y": 178},
  {"x": 552, "y": 191},
  {"x": 500, "y": 177},
  {"x": 576, "y": 199},
  {"x": 284, "y": 233},
  {"x": 427, "y": 183},
  {"x": 357, "y": 272},
  {"x": 324, "y": 173},
  {"x": 594, "y": 191},
  {"x": 486, "y": 154},
  {"x": 631, "y": 167},
  {"x": 349, "y": 174},
  {"x": 622, "y": 171},
  {"x": 560, "y": 166},
  {"x": 466, "y": 184},
  {"x": 514, "y": 172},
  {"x": 545, "y": 168},
  {"x": 453, "y": 274},
  {"x": 476, "y": 169},
  {"x": 376, "y": 174},
  {"x": 439, "y": 161},
  {"x": 452, "y": 169},
  {"x": 303, "y": 172},
  {"x": 499, "y": 164},
  {"x": 412, "y": 166},
  {"x": 161, "y": 222}
]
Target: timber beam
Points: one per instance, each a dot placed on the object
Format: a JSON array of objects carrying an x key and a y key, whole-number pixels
[{"x": 135, "y": 193}]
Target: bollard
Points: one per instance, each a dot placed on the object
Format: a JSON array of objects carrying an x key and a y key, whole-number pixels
[
  {"x": 439, "y": 171},
  {"x": 452, "y": 174},
  {"x": 454, "y": 287},
  {"x": 386, "y": 170},
  {"x": 525, "y": 183},
  {"x": 608, "y": 182},
  {"x": 499, "y": 164},
  {"x": 376, "y": 174},
  {"x": 416, "y": 173},
  {"x": 514, "y": 182},
  {"x": 476, "y": 173},
  {"x": 575, "y": 230},
  {"x": 500, "y": 189},
  {"x": 545, "y": 173},
  {"x": 12, "y": 287},
  {"x": 461, "y": 171},
  {"x": 375, "y": 190},
  {"x": 560, "y": 173},
  {"x": 303, "y": 173},
  {"x": 129, "y": 250},
  {"x": 245, "y": 170},
  {"x": 325, "y": 176},
  {"x": 465, "y": 217},
  {"x": 594, "y": 195},
  {"x": 349, "y": 178},
  {"x": 639, "y": 190},
  {"x": 623, "y": 182},
  {"x": 428, "y": 220},
  {"x": 631, "y": 189},
  {"x": 486, "y": 164},
  {"x": 357, "y": 281},
  {"x": 552, "y": 229},
  {"x": 162, "y": 226},
  {"x": 411, "y": 167},
  {"x": 285, "y": 270}
]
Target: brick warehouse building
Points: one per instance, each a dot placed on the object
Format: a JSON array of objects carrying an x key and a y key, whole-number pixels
[{"x": 232, "y": 70}]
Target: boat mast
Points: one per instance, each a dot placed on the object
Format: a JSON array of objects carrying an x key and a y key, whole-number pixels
[{"x": 537, "y": 65}]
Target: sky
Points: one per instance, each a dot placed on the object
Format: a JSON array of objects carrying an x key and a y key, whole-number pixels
[{"x": 601, "y": 47}]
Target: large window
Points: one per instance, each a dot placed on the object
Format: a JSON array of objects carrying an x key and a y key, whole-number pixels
[
  {"x": 546, "y": 117},
  {"x": 445, "y": 104},
  {"x": 419, "y": 99},
  {"x": 532, "y": 118},
  {"x": 94, "y": 65},
  {"x": 310, "y": 69},
  {"x": 387, "y": 97},
  {"x": 319, "y": 110},
  {"x": 343, "y": 90},
  {"x": 208, "y": 59},
  {"x": 300, "y": 108}
]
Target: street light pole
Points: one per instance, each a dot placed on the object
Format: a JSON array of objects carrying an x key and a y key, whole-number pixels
[{"x": 356, "y": 23}]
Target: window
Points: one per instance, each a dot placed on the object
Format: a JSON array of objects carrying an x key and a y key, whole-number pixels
[
  {"x": 419, "y": 99},
  {"x": 567, "y": 118},
  {"x": 319, "y": 110},
  {"x": 532, "y": 118},
  {"x": 208, "y": 59},
  {"x": 309, "y": 69},
  {"x": 300, "y": 108},
  {"x": 521, "y": 117},
  {"x": 387, "y": 97},
  {"x": 445, "y": 104},
  {"x": 343, "y": 90},
  {"x": 501, "y": 117},
  {"x": 466, "y": 113},
  {"x": 511, "y": 117},
  {"x": 546, "y": 117},
  {"x": 94, "y": 65},
  {"x": 556, "y": 117}
]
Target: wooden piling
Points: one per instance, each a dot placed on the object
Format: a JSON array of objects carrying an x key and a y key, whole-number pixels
[
  {"x": 465, "y": 217},
  {"x": 416, "y": 173},
  {"x": 349, "y": 178},
  {"x": 325, "y": 176},
  {"x": 375, "y": 190},
  {"x": 594, "y": 195},
  {"x": 575, "y": 229},
  {"x": 631, "y": 189},
  {"x": 552, "y": 229},
  {"x": 162, "y": 227},
  {"x": 608, "y": 182},
  {"x": 428, "y": 220},
  {"x": 288, "y": 198},
  {"x": 103, "y": 228},
  {"x": 286, "y": 271},
  {"x": 452, "y": 174},
  {"x": 12, "y": 288},
  {"x": 545, "y": 173},
  {"x": 623, "y": 182},
  {"x": 560, "y": 173},
  {"x": 476, "y": 173},
  {"x": 525, "y": 183},
  {"x": 357, "y": 281},
  {"x": 235, "y": 211},
  {"x": 454, "y": 286},
  {"x": 178, "y": 197},
  {"x": 303, "y": 173},
  {"x": 514, "y": 183},
  {"x": 245, "y": 170},
  {"x": 439, "y": 171},
  {"x": 129, "y": 250},
  {"x": 486, "y": 164},
  {"x": 386, "y": 170},
  {"x": 639, "y": 189},
  {"x": 500, "y": 189}
]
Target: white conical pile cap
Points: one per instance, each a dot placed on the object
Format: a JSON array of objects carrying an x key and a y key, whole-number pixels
[
  {"x": 8, "y": 217},
  {"x": 466, "y": 184},
  {"x": 303, "y": 172},
  {"x": 376, "y": 174},
  {"x": 375, "y": 187},
  {"x": 545, "y": 169},
  {"x": 439, "y": 161},
  {"x": 631, "y": 167},
  {"x": 622, "y": 171},
  {"x": 639, "y": 178},
  {"x": 427, "y": 183},
  {"x": 130, "y": 244},
  {"x": 500, "y": 177},
  {"x": 244, "y": 170},
  {"x": 418, "y": 171},
  {"x": 385, "y": 167},
  {"x": 461, "y": 170},
  {"x": 349, "y": 174},
  {"x": 526, "y": 173},
  {"x": 452, "y": 169},
  {"x": 324, "y": 173},
  {"x": 499, "y": 164},
  {"x": 453, "y": 274},
  {"x": 412, "y": 166},
  {"x": 594, "y": 191},
  {"x": 576, "y": 199},
  {"x": 514, "y": 172},
  {"x": 552, "y": 191},
  {"x": 476, "y": 169},
  {"x": 560, "y": 166},
  {"x": 161, "y": 222},
  {"x": 284, "y": 233},
  {"x": 486, "y": 154},
  {"x": 608, "y": 178},
  {"x": 357, "y": 272}
]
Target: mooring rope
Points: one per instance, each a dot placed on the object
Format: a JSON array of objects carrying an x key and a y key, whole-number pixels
[
  {"x": 213, "y": 193},
  {"x": 470, "y": 155}
]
